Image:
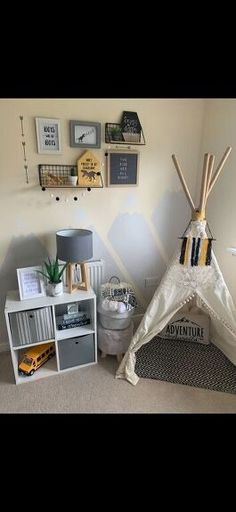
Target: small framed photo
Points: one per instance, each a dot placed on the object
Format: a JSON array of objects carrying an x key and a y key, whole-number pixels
[
  {"x": 30, "y": 282},
  {"x": 48, "y": 135},
  {"x": 85, "y": 134},
  {"x": 72, "y": 308}
]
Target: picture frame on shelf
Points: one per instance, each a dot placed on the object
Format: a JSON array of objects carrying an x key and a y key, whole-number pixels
[
  {"x": 130, "y": 123},
  {"x": 30, "y": 282},
  {"x": 85, "y": 134},
  {"x": 48, "y": 133}
]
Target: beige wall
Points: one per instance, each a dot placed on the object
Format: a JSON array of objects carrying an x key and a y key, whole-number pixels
[
  {"x": 218, "y": 133},
  {"x": 135, "y": 229}
]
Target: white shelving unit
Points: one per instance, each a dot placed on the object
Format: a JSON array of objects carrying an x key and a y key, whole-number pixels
[{"x": 37, "y": 321}]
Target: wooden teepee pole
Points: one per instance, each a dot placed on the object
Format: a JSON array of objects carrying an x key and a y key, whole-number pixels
[
  {"x": 219, "y": 169},
  {"x": 209, "y": 174},
  {"x": 184, "y": 184},
  {"x": 203, "y": 185}
]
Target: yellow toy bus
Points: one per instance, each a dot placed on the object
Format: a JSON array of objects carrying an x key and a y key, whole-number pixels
[{"x": 36, "y": 357}]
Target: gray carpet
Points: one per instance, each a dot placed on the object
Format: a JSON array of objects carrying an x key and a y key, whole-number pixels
[
  {"x": 94, "y": 389},
  {"x": 192, "y": 364}
]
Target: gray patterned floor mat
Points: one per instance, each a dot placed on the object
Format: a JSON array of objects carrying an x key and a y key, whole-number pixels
[{"x": 192, "y": 364}]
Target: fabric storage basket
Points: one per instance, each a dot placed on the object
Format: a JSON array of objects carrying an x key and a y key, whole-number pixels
[
  {"x": 116, "y": 304},
  {"x": 113, "y": 319},
  {"x": 114, "y": 289}
]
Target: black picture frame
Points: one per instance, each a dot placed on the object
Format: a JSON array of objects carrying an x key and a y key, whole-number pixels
[{"x": 130, "y": 122}]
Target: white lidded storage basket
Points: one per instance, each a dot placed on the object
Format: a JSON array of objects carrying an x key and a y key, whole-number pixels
[
  {"x": 113, "y": 319},
  {"x": 116, "y": 304},
  {"x": 118, "y": 291}
]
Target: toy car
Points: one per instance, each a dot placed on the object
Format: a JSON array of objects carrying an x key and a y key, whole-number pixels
[{"x": 36, "y": 357}]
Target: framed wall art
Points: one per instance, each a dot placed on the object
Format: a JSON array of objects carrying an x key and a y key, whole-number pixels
[
  {"x": 130, "y": 122},
  {"x": 30, "y": 282},
  {"x": 89, "y": 173},
  {"x": 85, "y": 134},
  {"x": 48, "y": 135},
  {"x": 122, "y": 168}
]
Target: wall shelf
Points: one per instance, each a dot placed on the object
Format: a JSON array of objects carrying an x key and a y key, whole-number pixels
[
  {"x": 134, "y": 139},
  {"x": 58, "y": 176}
]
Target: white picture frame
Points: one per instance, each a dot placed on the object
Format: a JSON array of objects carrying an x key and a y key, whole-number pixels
[
  {"x": 48, "y": 133},
  {"x": 30, "y": 282}
]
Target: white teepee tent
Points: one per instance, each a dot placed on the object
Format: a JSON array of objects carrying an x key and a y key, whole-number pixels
[{"x": 193, "y": 273}]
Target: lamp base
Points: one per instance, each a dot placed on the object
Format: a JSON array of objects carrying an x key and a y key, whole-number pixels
[{"x": 84, "y": 284}]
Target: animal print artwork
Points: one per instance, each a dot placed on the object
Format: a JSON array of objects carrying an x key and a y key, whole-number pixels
[
  {"x": 83, "y": 135},
  {"x": 89, "y": 174}
]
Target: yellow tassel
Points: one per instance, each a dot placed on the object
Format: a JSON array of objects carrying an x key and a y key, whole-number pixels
[
  {"x": 202, "y": 259},
  {"x": 186, "y": 256}
]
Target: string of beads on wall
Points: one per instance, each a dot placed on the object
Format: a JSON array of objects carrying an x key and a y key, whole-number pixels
[{"x": 24, "y": 150}]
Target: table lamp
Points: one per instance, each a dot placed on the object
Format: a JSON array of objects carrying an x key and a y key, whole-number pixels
[{"x": 75, "y": 246}]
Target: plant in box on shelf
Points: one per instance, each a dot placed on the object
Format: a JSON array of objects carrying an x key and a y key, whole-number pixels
[
  {"x": 73, "y": 176},
  {"x": 116, "y": 133},
  {"x": 53, "y": 273}
]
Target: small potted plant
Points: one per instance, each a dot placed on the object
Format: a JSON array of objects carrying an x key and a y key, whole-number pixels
[
  {"x": 53, "y": 273},
  {"x": 116, "y": 133},
  {"x": 73, "y": 176}
]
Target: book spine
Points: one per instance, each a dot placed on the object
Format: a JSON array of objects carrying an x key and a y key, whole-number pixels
[
  {"x": 71, "y": 325},
  {"x": 73, "y": 320},
  {"x": 69, "y": 316}
]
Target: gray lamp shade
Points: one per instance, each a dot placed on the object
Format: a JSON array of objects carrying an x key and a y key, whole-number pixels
[{"x": 74, "y": 245}]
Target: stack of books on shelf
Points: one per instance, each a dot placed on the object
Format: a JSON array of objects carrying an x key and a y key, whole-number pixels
[{"x": 68, "y": 321}]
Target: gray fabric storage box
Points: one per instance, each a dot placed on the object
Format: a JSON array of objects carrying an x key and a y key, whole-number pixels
[
  {"x": 31, "y": 326},
  {"x": 76, "y": 351}
]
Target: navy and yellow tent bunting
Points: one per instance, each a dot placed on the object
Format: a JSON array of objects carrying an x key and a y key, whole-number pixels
[{"x": 196, "y": 251}]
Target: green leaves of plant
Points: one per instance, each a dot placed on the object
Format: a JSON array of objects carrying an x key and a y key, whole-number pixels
[{"x": 53, "y": 270}]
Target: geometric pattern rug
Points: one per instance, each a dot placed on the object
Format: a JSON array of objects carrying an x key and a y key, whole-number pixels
[{"x": 192, "y": 364}]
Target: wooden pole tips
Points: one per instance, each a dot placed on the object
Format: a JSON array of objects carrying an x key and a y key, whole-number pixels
[
  {"x": 219, "y": 168},
  {"x": 183, "y": 182}
]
